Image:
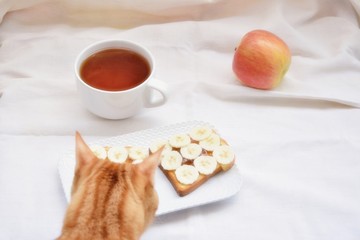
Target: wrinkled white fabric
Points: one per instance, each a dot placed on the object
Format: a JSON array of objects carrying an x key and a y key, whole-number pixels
[{"x": 297, "y": 146}]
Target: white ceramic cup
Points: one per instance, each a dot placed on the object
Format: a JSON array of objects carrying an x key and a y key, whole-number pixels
[{"x": 125, "y": 103}]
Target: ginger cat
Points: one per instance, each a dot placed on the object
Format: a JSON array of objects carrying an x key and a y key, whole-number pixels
[{"x": 110, "y": 200}]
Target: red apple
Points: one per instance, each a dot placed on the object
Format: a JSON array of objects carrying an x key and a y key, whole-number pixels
[{"x": 261, "y": 60}]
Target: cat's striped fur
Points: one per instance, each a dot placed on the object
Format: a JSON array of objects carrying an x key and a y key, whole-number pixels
[{"x": 110, "y": 200}]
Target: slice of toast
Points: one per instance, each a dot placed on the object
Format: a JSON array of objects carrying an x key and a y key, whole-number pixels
[{"x": 184, "y": 189}]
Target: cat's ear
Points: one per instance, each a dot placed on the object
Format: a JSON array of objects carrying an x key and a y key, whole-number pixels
[
  {"x": 150, "y": 164},
  {"x": 84, "y": 155}
]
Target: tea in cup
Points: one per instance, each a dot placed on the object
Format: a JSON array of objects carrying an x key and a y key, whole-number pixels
[{"x": 115, "y": 79}]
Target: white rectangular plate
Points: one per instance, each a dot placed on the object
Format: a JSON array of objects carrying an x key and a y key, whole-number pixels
[{"x": 222, "y": 186}]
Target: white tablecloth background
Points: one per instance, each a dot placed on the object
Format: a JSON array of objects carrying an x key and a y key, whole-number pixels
[{"x": 298, "y": 146}]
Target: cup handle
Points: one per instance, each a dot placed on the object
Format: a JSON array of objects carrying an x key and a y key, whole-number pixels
[{"x": 151, "y": 99}]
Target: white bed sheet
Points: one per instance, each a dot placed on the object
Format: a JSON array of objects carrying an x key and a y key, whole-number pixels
[{"x": 298, "y": 145}]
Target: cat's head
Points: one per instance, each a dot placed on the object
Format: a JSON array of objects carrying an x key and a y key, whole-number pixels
[{"x": 120, "y": 196}]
